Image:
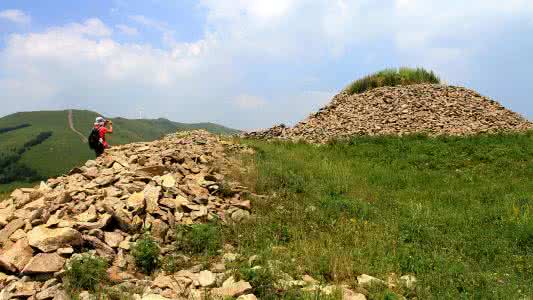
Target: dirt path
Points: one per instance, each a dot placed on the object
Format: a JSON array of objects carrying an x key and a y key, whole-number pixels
[{"x": 71, "y": 125}]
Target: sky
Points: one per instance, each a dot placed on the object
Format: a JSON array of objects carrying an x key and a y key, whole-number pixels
[{"x": 251, "y": 64}]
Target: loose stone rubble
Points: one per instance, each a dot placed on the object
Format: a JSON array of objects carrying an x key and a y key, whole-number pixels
[
  {"x": 430, "y": 109},
  {"x": 104, "y": 206}
]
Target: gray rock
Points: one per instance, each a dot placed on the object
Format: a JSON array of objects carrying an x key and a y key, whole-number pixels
[
  {"x": 366, "y": 281},
  {"x": 240, "y": 215},
  {"x": 48, "y": 293},
  {"x": 101, "y": 248},
  {"x": 136, "y": 203},
  {"x": 88, "y": 216},
  {"x": 9, "y": 229},
  {"x": 6, "y": 214},
  {"x": 206, "y": 279},
  {"x": 409, "y": 281},
  {"x": 16, "y": 257},
  {"x": 247, "y": 297},
  {"x": 154, "y": 297},
  {"x": 230, "y": 288},
  {"x": 48, "y": 240},
  {"x": 113, "y": 239},
  {"x": 168, "y": 181},
  {"x": 151, "y": 196},
  {"x": 44, "y": 263}
]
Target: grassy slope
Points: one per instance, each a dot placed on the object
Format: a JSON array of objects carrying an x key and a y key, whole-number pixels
[
  {"x": 55, "y": 154},
  {"x": 455, "y": 212},
  {"x": 393, "y": 77},
  {"x": 64, "y": 150}
]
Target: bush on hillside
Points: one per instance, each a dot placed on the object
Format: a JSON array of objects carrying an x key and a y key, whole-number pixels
[
  {"x": 12, "y": 170},
  {"x": 85, "y": 272},
  {"x": 199, "y": 238},
  {"x": 393, "y": 77},
  {"x": 146, "y": 253},
  {"x": 12, "y": 128},
  {"x": 39, "y": 139}
]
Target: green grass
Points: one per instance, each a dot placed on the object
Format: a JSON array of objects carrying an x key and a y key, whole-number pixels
[
  {"x": 203, "y": 239},
  {"x": 392, "y": 77},
  {"x": 85, "y": 272},
  {"x": 66, "y": 145},
  {"x": 6, "y": 189},
  {"x": 454, "y": 212},
  {"x": 146, "y": 252}
]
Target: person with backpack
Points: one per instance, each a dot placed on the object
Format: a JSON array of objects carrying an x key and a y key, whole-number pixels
[{"x": 97, "y": 140}]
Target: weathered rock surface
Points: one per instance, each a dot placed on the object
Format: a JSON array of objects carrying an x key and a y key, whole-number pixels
[
  {"x": 16, "y": 257},
  {"x": 113, "y": 239},
  {"x": 366, "y": 281},
  {"x": 206, "y": 279},
  {"x": 104, "y": 206},
  {"x": 44, "y": 263},
  {"x": 47, "y": 240},
  {"x": 431, "y": 109},
  {"x": 231, "y": 288}
]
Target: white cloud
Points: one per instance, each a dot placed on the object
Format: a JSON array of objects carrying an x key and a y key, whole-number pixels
[
  {"x": 162, "y": 27},
  {"x": 149, "y": 22},
  {"x": 80, "y": 65},
  {"x": 244, "y": 42},
  {"x": 127, "y": 30},
  {"x": 91, "y": 27},
  {"x": 249, "y": 102},
  {"x": 258, "y": 9},
  {"x": 15, "y": 16}
]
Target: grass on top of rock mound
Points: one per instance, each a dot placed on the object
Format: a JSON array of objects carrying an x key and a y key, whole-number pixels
[
  {"x": 454, "y": 212},
  {"x": 392, "y": 77}
]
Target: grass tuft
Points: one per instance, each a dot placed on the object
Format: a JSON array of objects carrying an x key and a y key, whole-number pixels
[
  {"x": 85, "y": 272},
  {"x": 392, "y": 77},
  {"x": 199, "y": 238},
  {"x": 262, "y": 279},
  {"x": 146, "y": 252}
]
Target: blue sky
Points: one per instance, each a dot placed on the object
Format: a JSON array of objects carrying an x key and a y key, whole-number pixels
[{"x": 251, "y": 63}]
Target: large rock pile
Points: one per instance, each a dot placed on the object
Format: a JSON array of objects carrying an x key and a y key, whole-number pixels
[
  {"x": 105, "y": 205},
  {"x": 431, "y": 109}
]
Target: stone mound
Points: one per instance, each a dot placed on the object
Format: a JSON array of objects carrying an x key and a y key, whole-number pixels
[
  {"x": 105, "y": 205},
  {"x": 429, "y": 109}
]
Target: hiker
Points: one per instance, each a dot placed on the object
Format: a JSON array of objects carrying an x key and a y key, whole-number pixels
[{"x": 97, "y": 140}]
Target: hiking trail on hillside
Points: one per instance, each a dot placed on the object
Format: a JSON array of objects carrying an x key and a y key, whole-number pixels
[{"x": 71, "y": 126}]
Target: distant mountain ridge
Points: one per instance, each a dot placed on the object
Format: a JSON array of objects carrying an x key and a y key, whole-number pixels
[{"x": 64, "y": 148}]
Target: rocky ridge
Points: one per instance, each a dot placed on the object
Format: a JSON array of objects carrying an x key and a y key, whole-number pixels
[
  {"x": 102, "y": 208},
  {"x": 104, "y": 205},
  {"x": 431, "y": 109}
]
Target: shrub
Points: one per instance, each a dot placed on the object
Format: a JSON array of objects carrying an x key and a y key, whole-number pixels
[
  {"x": 298, "y": 294},
  {"x": 146, "y": 253},
  {"x": 39, "y": 139},
  {"x": 12, "y": 128},
  {"x": 173, "y": 263},
  {"x": 85, "y": 272},
  {"x": 281, "y": 233},
  {"x": 199, "y": 238},
  {"x": 118, "y": 293},
  {"x": 225, "y": 190},
  {"x": 262, "y": 279},
  {"x": 392, "y": 77}
]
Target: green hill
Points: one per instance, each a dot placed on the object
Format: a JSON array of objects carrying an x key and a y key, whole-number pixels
[{"x": 64, "y": 148}]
